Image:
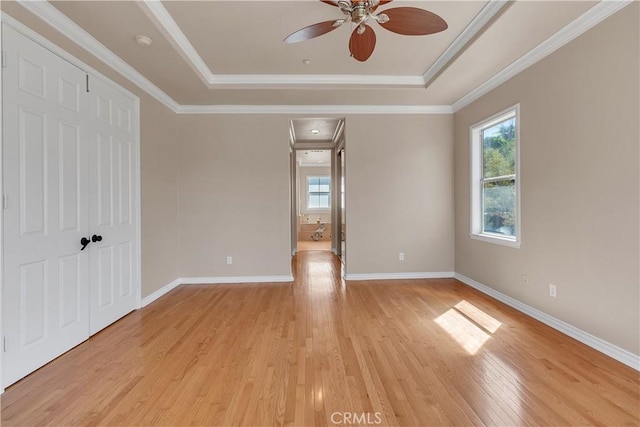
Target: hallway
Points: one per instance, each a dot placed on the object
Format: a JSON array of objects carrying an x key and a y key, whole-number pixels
[{"x": 319, "y": 352}]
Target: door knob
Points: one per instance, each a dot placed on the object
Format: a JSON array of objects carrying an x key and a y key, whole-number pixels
[
  {"x": 84, "y": 242},
  {"x": 96, "y": 238}
]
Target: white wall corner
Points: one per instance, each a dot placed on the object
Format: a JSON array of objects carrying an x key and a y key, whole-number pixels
[{"x": 611, "y": 350}]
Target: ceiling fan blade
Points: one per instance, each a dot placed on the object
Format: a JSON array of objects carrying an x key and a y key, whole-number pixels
[
  {"x": 362, "y": 45},
  {"x": 314, "y": 30},
  {"x": 412, "y": 21},
  {"x": 330, "y": 2}
]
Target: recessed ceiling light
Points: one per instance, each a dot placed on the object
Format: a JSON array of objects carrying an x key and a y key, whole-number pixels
[
  {"x": 306, "y": 61},
  {"x": 315, "y": 131},
  {"x": 143, "y": 41}
]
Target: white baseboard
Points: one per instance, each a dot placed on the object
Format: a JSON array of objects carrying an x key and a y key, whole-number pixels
[
  {"x": 234, "y": 279},
  {"x": 400, "y": 276},
  {"x": 160, "y": 292},
  {"x": 611, "y": 350}
]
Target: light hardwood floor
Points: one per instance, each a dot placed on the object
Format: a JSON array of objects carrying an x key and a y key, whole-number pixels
[
  {"x": 310, "y": 245},
  {"x": 412, "y": 352}
]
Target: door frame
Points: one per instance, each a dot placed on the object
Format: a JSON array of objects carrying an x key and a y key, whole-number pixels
[
  {"x": 37, "y": 38},
  {"x": 337, "y": 144},
  {"x": 337, "y": 175}
]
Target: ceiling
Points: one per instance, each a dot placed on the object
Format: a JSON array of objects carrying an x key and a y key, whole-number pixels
[
  {"x": 311, "y": 131},
  {"x": 231, "y": 52},
  {"x": 311, "y": 158}
]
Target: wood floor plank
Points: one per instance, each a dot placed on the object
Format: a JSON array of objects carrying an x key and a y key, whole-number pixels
[{"x": 320, "y": 352}]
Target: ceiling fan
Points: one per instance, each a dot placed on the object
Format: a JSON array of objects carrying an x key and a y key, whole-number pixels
[{"x": 410, "y": 21}]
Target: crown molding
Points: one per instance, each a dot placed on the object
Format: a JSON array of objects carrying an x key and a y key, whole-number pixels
[
  {"x": 586, "y": 21},
  {"x": 52, "y": 16},
  {"x": 327, "y": 81},
  {"x": 163, "y": 20},
  {"x": 314, "y": 109},
  {"x": 487, "y": 13}
]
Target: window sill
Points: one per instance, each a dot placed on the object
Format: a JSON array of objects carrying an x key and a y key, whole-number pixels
[{"x": 489, "y": 238}]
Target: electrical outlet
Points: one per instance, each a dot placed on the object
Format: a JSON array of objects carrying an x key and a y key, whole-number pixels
[
  {"x": 524, "y": 279},
  {"x": 229, "y": 260},
  {"x": 401, "y": 256},
  {"x": 552, "y": 291}
]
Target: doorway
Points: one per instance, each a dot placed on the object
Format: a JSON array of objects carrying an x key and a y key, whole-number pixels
[{"x": 317, "y": 184}]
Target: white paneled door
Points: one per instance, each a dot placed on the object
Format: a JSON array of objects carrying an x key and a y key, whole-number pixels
[
  {"x": 70, "y": 219},
  {"x": 112, "y": 222}
]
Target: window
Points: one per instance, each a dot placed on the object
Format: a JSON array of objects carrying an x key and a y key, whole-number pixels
[
  {"x": 318, "y": 192},
  {"x": 495, "y": 198}
]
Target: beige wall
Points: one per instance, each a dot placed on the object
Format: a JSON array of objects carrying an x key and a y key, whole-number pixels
[
  {"x": 399, "y": 193},
  {"x": 579, "y": 158},
  {"x": 159, "y": 195},
  {"x": 158, "y": 165},
  {"x": 234, "y": 195}
]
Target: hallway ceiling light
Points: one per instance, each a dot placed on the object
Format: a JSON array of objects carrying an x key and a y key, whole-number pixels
[{"x": 315, "y": 131}]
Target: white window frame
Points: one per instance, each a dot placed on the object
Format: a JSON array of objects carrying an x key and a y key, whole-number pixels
[
  {"x": 317, "y": 210},
  {"x": 476, "y": 159}
]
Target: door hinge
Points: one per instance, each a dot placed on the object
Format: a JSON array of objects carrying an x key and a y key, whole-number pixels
[
  {"x": 4, "y": 58},
  {"x": 87, "y": 82},
  {"x": 5, "y": 347},
  {"x": 5, "y": 201}
]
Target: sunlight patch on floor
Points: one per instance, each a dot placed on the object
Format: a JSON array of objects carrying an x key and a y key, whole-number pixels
[
  {"x": 468, "y": 325},
  {"x": 478, "y": 316}
]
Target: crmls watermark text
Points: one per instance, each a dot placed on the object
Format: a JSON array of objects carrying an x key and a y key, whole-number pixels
[{"x": 356, "y": 418}]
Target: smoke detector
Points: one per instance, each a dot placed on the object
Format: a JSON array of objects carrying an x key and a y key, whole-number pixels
[{"x": 143, "y": 41}]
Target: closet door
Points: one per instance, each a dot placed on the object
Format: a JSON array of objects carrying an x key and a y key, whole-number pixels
[
  {"x": 113, "y": 204},
  {"x": 45, "y": 169}
]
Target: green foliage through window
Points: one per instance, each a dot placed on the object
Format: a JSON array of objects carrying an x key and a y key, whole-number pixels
[{"x": 499, "y": 178}]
